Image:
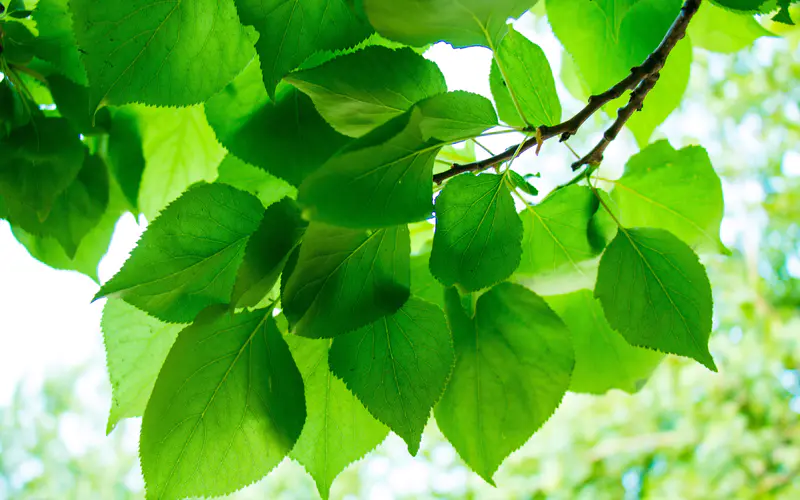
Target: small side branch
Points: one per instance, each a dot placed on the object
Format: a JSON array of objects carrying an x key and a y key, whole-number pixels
[{"x": 641, "y": 81}]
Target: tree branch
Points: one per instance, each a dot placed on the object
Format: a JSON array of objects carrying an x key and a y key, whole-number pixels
[{"x": 641, "y": 81}]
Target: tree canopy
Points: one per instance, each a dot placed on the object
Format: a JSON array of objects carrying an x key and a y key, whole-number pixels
[{"x": 324, "y": 261}]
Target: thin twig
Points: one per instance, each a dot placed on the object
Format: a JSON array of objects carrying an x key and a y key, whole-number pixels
[
  {"x": 595, "y": 156},
  {"x": 640, "y": 77}
]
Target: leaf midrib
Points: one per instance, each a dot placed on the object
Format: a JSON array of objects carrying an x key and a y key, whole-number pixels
[{"x": 246, "y": 343}]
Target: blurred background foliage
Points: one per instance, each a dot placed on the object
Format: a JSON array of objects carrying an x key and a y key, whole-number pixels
[{"x": 688, "y": 434}]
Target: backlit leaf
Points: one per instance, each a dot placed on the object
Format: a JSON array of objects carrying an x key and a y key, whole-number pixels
[
  {"x": 522, "y": 82},
  {"x": 179, "y": 150},
  {"x": 676, "y": 190},
  {"x": 267, "y": 250},
  {"x": 227, "y": 407},
  {"x": 338, "y": 429},
  {"x": 182, "y": 263},
  {"x": 478, "y": 232},
  {"x": 136, "y": 347},
  {"x": 461, "y": 23},
  {"x": 359, "y": 91},
  {"x": 258, "y": 182},
  {"x": 292, "y": 30},
  {"x": 384, "y": 178},
  {"x": 455, "y": 116},
  {"x": 556, "y": 231},
  {"x": 720, "y": 30},
  {"x": 423, "y": 284},
  {"x": 345, "y": 279},
  {"x": 398, "y": 366},
  {"x": 513, "y": 366},
  {"x": 284, "y": 136},
  {"x": 606, "y": 38},
  {"x": 655, "y": 292},
  {"x": 167, "y": 53},
  {"x": 603, "y": 359}
]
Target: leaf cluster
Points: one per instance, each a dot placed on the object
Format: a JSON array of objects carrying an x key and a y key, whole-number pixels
[{"x": 303, "y": 286}]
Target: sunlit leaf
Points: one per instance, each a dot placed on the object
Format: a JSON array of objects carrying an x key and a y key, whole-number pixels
[
  {"x": 655, "y": 292},
  {"x": 676, "y": 190},
  {"x": 136, "y": 347},
  {"x": 182, "y": 264},
  {"x": 398, "y": 366},
  {"x": 556, "y": 232},
  {"x": 478, "y": 232},
  {"x": 603, "y": 359},
  {"x": 227, "y": 407},
  {"x": 522, "y": 83},
  {"x": 461, "y": 23},
  {"x": 291, "y": 31},
  {"x": 267, "y": 251},
  {"x": 513, "y": 366},
  {"x": 345, "y": 279},
  {"x": 359, "y": 91},
  {"x": 284, "y": 136},
  {"x": 167, "y": 53},
  {"x": 338, "y": 429}
]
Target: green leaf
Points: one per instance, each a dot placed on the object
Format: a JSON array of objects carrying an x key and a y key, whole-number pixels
[
  {"x": 606, "y": 38},
  {"x": 478, "y": 232},
  {"x": 13, "y": 111},
  {"x": 522, "y": 183},
  {"x": 76, "y": 211},
  {"x": 72, "y": 102},
  {"x": 720, "y": 30},
  {"x": 56, "y": 42},
  {"x": 39, "y": 161},
  {"x": 359, "y": 91},
  {"x": 556, "y": 231},
  {"x": 673, "y": 190},
  {"x": 455, "y": 116},
  {"x": 741, "y": 5},
  {"x": 381, "y": 179},
  {"x": 183, "y": 264},
  {"x": 385, "y": 177},
  {"x": 167, "y": 53},
  {"x": 227, "y": 407},
  {"x": 603, "y": 359},
  {"x": 293, "y": 30},
  {"x": 126, "y": 154},
  {"x": 522, "y": 83},
  {"x": 656, "y": 293},
  {"x": 18, "y": 42},
  {"x": 461, "y": 23},
  {"x": 513, "y": 366},
  {"x": 338, "y": 429},
  {"x": 285, "y": 136},
  {"x": 136, "y": 347},
  {"x": 179, "y": 150},
  {"x": 267, "y": 251},
  {"x": 783, "y": 15},
  {"x": 16, "y": 6},
  {"x": 423, "y": 284},
  {"x": 345, "y": 279},
  {"x": 398, "y": 366},
  {"x": 506, "y": 108},
  {"x": 246, "y": 177},
  {"x": 90, "y": 251}
]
